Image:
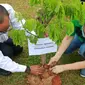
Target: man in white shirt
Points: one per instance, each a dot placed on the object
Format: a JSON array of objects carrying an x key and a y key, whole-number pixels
[{"x": 7, "y": 48}]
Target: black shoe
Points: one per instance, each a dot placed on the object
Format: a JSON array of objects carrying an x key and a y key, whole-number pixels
[{"x": 4, "y": 72}]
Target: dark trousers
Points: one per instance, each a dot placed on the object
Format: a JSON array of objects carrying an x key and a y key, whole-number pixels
[{"x": 9, "y": 49}]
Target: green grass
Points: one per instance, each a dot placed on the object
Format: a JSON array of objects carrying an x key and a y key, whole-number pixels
[{"x": 68, "y": 78}]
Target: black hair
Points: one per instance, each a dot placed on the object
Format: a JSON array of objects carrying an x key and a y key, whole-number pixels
[{"x": 3, "y": 12}]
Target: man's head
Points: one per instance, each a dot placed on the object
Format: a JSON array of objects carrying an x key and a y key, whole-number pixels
[{"x": 4, "y": 19}]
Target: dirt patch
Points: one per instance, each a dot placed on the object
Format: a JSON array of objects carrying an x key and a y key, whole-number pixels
[{"x": 47, "y": 78}]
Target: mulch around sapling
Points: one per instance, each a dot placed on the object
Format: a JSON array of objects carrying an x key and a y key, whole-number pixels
[{"x": 47, "y": 78}]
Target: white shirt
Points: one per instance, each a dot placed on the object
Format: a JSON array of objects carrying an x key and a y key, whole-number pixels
[
  {"x": 5, "y": 62},
  {"x": 13, "y": 21}
]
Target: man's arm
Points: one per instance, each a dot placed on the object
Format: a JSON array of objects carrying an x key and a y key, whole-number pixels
[
  {"x": 7, "y": 64},
  {"x": 64, "y": 45},
  {"x": 13, "y": 19},
  {"x": 16, "y": 24}
]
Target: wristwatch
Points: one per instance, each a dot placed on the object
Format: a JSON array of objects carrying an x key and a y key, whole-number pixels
[{"x": 28, "y": 70}]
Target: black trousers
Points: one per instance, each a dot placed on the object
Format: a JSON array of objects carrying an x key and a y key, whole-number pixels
[{"x": 9, "y": 49}]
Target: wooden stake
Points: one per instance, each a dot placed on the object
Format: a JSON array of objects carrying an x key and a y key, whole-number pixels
[{"x": 43, "y": 59}]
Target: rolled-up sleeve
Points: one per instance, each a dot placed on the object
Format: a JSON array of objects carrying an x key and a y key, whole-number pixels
[
  {"x": 14, "y": 20},
  {"x": 7, "y": 64}
]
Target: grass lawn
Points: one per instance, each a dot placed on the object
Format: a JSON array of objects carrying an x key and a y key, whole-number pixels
[{"x": 68, "y": 78}]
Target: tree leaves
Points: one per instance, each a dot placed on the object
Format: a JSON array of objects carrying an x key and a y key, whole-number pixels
[
  {"x": 18, "y": 37},
  {"x": 30, "y": 24},
  {"x": 63, "y": 11}
]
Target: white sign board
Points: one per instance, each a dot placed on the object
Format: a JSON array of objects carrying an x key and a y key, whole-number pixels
[{"x": 43, "y": 46}]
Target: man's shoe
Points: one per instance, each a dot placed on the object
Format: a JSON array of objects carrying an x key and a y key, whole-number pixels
[
  {"x": 82, "y": 73},
  {"x": 4, "y": 72}
]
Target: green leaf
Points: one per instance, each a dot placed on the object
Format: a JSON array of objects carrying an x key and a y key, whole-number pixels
[{"x": 30, "y": 24}]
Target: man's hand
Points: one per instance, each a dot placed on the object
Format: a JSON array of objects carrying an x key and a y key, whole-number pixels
[
  {"x": 36, "y": 70},
  {"x": 58, "y": 69}
]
